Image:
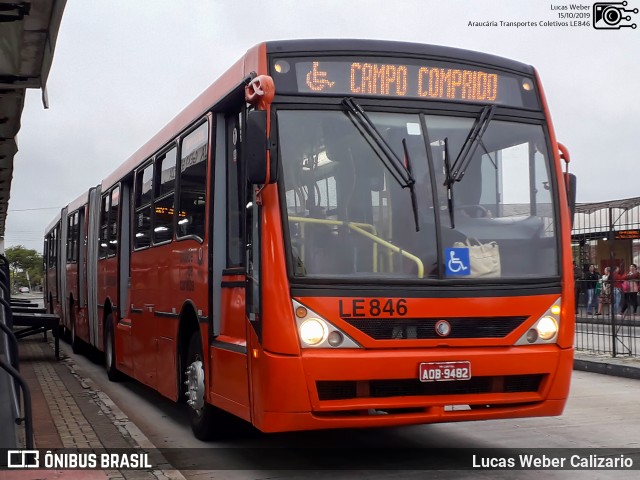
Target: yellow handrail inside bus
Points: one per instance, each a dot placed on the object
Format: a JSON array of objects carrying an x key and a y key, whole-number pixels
[
  {"x": 322, "y": 221},
  {"x": 361, "y": 228}
]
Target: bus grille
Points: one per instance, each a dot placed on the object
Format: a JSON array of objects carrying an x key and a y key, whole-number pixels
[
  {"x": 425, "y": 328},
  {"x": 344, "y": 390}
]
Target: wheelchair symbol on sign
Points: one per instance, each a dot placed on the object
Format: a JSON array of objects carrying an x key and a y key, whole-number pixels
[{"x": 457, "y": 262}]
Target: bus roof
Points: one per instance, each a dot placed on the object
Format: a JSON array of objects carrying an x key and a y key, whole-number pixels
[
  {"x": 79, "y": 202},
  {"x": 344, "y": 46},
  {"x": 53, "y": 222}
]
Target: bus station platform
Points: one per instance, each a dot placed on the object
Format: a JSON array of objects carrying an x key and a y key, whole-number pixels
[
  {"x": 606, "y": 365},
  {"x": 69, "y": 412}
]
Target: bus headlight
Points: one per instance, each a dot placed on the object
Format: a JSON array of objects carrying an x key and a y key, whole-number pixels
[
  {"x": 316, "y": 332},
  {"x": 313, "y": 331},
  {"x": 547, "y": 328}
]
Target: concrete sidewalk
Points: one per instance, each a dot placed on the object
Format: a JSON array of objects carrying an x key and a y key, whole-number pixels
[
  {"x": 628, "y": 367},
  {"x": 70, "y": 412}
]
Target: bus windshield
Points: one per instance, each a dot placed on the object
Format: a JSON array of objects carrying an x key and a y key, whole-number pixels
[{"x": 347, "y": 216}]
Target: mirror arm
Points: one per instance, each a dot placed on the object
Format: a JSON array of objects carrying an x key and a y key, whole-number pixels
[
  {"x": 259, "y": 93},
  {"x": 564, "y": 155}
]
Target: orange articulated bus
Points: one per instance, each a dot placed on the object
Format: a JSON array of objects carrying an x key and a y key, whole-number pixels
[{"x": 336, "y": 233}]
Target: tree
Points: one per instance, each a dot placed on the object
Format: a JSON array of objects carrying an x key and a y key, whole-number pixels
[{"x": 22, "y": 260}]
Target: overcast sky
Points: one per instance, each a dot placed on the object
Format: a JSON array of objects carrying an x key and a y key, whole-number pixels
[{"x": 123, "y": 68}]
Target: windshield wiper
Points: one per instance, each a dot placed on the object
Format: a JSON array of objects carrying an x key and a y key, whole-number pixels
[
  {"x": 366, "y": 127},
  {"x": 471, "y": 144},
  {"x": 448, "y": 181},
  {"x": 398, "y": 170},
  {"x": 412, "y": 189}
]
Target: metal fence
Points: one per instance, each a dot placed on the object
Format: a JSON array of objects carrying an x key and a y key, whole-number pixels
[
  {"x": 607, "y": 234},
  {"x": 615, "y": 331}
]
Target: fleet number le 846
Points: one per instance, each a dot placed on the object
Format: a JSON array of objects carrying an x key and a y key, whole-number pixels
[{"x": 372, "y": 307}]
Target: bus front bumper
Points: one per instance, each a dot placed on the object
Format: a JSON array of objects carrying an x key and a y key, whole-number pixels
[{"x": 351, "y": 388}]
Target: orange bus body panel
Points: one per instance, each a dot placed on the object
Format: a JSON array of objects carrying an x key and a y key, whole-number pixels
[
  {"x": 566, "y": 336},
  {"x": 275, "y": 293}
]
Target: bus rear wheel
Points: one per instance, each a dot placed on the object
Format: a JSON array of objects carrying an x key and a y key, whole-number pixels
[
  {"x": 204, "y": 418},
  {"x": 110, "y": 351},
  {"x": 76, "y": 343}
]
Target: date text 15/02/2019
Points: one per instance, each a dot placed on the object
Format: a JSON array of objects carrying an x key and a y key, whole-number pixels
[{"x": 526, "y": 24}]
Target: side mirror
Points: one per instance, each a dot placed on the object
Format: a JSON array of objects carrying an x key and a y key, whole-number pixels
[
  {"x": 570, "y": 181},
  {"x": 572, "y": 184},
  {"x": 256, "y": 147}
]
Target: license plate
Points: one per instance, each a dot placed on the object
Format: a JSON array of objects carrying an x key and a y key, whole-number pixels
[{"x": 445, "y": 371}]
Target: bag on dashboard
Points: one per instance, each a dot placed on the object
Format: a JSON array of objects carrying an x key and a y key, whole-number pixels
[{"x": 483, "y": 257}]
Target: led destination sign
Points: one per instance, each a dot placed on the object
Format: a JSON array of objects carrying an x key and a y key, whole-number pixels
[
  {"x": 412, "y": 79},
  {"x": 387, "y": 79}
]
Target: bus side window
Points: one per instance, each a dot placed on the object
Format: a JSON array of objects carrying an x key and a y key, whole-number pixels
[
  {"x": 113, "y": 222},
  {"x": 142, "y": 219},
  {"x": 52, "y": 249},
  {"x": 235, "y": 194},
  {"x": 164, "y": 196},
  {"x": 70, "y": 239},
  {"x": 193, "y": 183},
  {"x": 104, "y": 226}
]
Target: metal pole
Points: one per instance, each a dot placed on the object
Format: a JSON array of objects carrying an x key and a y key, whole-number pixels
[
  {"x": 26, "y": 395},
  {"x": 612, "y": 305}
]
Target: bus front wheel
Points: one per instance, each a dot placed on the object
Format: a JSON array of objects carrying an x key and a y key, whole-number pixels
[{"x": 202, "y": 416}]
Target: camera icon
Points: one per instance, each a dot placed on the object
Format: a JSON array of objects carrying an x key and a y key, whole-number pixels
[{"x": 610, "y": 15}]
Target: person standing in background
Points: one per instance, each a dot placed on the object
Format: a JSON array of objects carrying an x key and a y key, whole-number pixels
[
  {"x": 577, "y": 278},
  {"x": 618, "y": 279},
  {"x": 604, "y": 297},
  {"x": 591, "y": 281},
  {"x": 631, "y": 292}
]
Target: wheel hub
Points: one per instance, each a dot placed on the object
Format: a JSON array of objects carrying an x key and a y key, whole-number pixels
[{"x": 195, "y": 385}]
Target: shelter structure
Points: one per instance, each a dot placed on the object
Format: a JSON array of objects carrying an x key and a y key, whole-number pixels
[
  {"x": 28, "y": 34},
  {"x": 607, "y": 233}
]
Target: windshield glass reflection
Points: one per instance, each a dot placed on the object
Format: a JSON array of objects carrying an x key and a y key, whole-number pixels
[{"x": 347, "y": 215}]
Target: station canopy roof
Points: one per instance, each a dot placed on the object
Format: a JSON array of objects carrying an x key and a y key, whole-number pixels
[
  {"x": 28, "y": 34},
  {"x": 625, "y": 204}
]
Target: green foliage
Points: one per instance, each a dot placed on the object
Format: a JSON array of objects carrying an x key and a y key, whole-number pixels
[{"x": 22, "y": 260}]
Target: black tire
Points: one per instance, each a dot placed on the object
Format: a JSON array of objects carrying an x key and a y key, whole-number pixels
[
  {"x": 76, "y": 343},
  {"x": 206, "y": 421},
  {"x": 110, "y": 351}
]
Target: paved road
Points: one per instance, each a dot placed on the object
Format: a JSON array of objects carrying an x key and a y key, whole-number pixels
[{"x": 602, "y": 413}]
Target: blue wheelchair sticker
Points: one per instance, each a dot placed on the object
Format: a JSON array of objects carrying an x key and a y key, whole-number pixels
[{"x": 456, "y": 261}]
